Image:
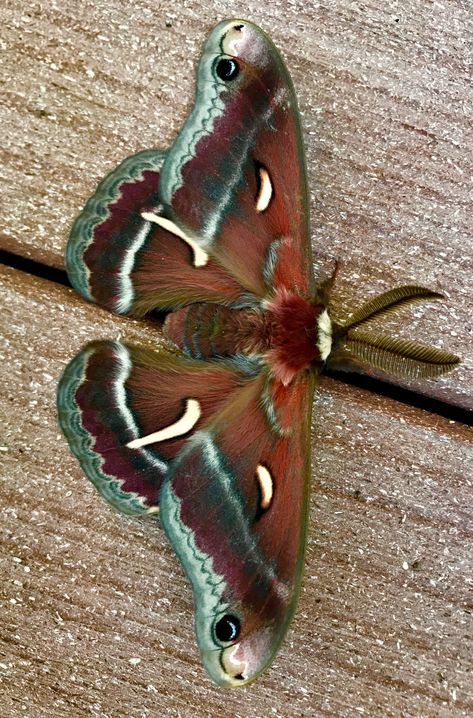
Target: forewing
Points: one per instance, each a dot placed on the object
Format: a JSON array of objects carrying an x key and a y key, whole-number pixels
[
  {"x": 112, "y": 394},
  {"x": 234, "y": 507},
  {"x": 235, "y": 178}
]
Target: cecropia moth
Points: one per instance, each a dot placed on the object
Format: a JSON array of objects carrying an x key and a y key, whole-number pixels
[{"x": 214, "y": 431}]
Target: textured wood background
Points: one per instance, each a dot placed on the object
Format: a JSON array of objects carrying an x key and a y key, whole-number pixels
[{"x": 96, "y": 615}]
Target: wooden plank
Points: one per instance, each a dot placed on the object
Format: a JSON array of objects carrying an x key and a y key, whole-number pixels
[
  {"x": 383, "y": 622},
  {"x": 383, "y": 97}
]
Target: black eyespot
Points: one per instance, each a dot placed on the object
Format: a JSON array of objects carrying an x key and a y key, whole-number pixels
[
  {"x": 227, "y": 628},
  {"x": 227, "y": 69}
]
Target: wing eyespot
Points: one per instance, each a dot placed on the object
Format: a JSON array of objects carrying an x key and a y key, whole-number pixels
[
  {"x": 227, "y": 69},
  {"x": 227, "y": 628}
]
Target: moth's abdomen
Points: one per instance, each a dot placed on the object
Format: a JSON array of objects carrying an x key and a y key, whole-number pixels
[{"x": 205, "y": 330}]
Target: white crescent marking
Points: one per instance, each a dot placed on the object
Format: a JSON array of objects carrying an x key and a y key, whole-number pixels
[
  {"x": 265, "y": 192},
  {"x": 265, "y": 481},
  {"x": 200, "y": 256},
  {"x": 187, "y": 422}
]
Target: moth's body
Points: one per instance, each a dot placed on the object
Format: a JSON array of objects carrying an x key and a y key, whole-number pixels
[
  {"x": 290, "y": 333},
  {"x": 216, "y": 436}
]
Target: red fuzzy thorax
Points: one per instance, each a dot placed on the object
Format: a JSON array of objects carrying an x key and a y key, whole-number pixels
[
  {"x": 294, "y": 334},
  {"x": 284, "y": 331}
]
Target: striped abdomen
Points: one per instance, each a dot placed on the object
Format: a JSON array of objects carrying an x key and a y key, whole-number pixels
[{"x": 205, "y": 330}]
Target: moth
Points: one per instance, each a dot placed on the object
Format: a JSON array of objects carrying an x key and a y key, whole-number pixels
[{"x": 213, "y": 430}]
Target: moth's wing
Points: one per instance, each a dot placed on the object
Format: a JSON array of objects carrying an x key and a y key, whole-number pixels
[
  {"x": 224, "y": 452},
  {"x": 232, "y": 189},
  {"x": 234, "y": 507},
  {"x": 119, "y": 259},
  {"x": 112, "y": 394},
  {"x": 235, "y": 178}
]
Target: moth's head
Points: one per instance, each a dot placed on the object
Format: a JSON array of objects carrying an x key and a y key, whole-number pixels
[{"x": 238, "y": 643}]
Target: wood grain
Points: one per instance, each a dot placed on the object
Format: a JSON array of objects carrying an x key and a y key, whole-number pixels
[
  {"x": 385, "y": 93},
  {"x": 97, "y": 616}
]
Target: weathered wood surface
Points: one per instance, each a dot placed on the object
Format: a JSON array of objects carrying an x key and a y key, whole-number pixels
[
  {"x": 385, "y": 614},
  {"x": 384, "y": 623},
  {"x": 386, "y": 98}
]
